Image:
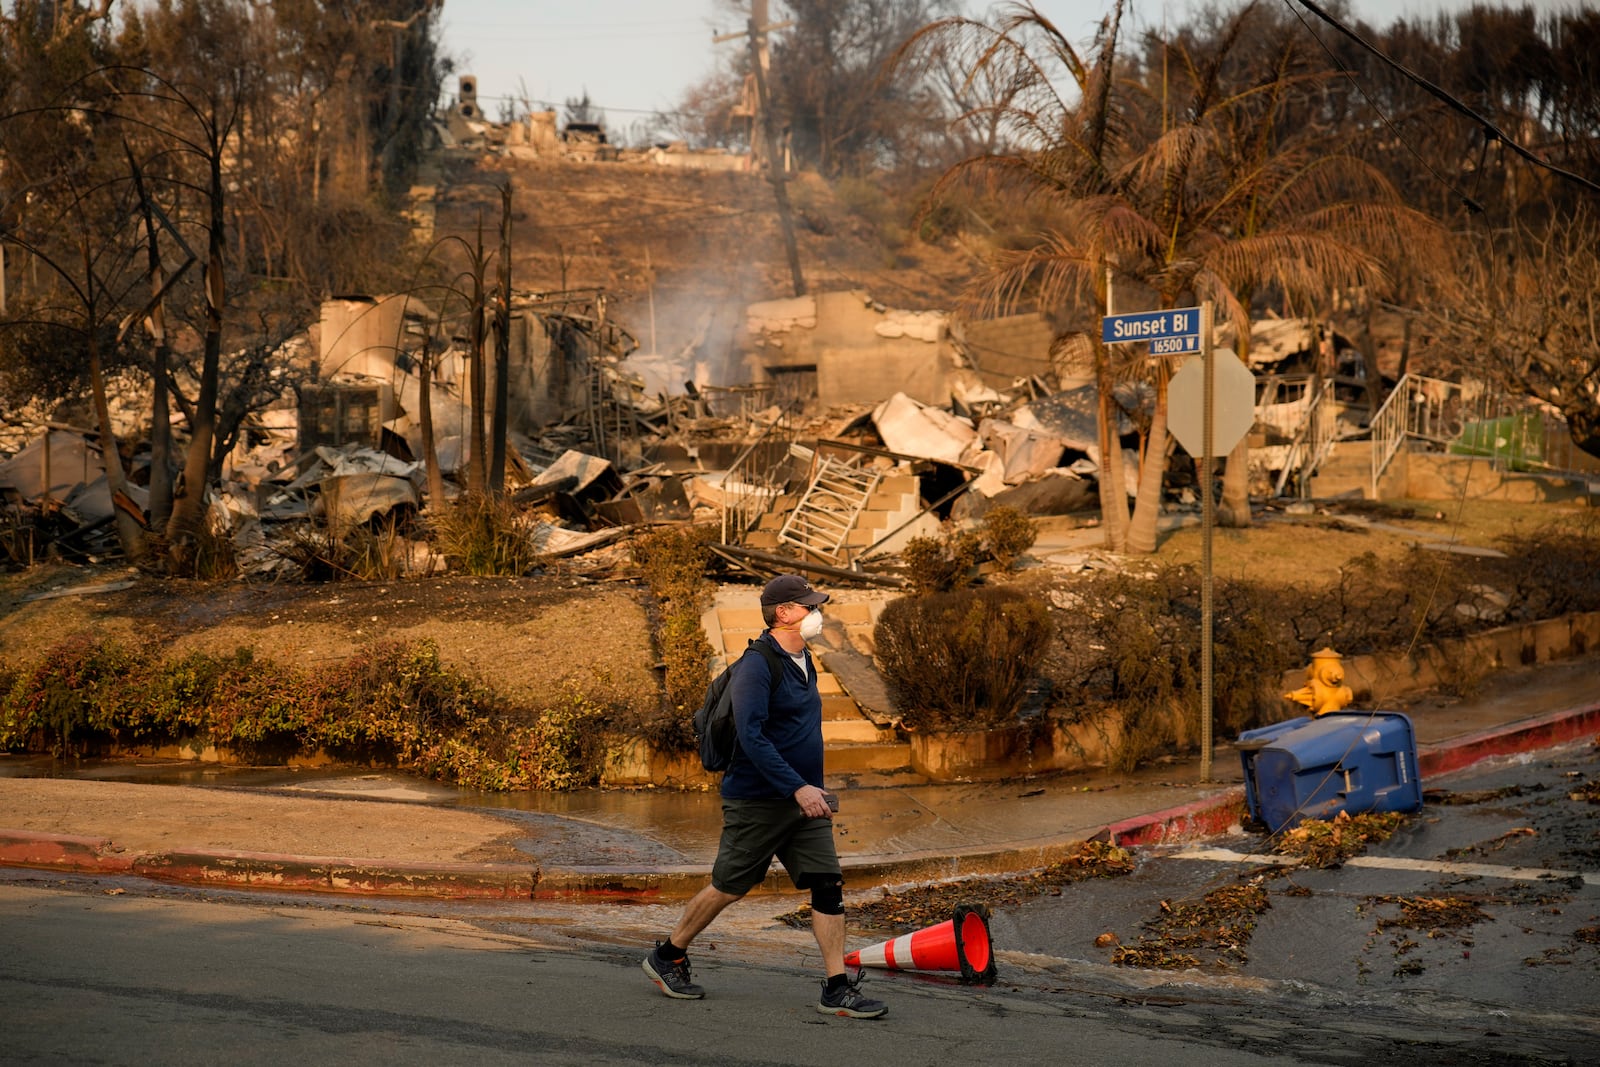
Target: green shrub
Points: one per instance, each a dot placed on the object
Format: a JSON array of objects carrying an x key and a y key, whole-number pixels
[
  {"x": 484, "y": 535},
  {"x": 1006, "y": 534},
  {"x": 673, "y": 562},
  {"x": 392, "y": 702},
  {"x": 60, "y": 704},
  {"x": 687, "y": 655},
  {"x": 944, "y": 563},
  {"x": 568, "y": 746},
  {"x": 962, "y": 659}
]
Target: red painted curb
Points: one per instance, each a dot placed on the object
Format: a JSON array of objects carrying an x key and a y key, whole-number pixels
[
  {"x": 369, "y": 877},
  {"x": 1198, "y": 818},
  {"x": 1526, "y": 736},
  {"x": 62, "y": 852},
  {"x": 320, "y": 874},
  {"x": 261, "y": 870}
]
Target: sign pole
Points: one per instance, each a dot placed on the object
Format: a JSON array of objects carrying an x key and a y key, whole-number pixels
[{"x": 1206, "y": 521}]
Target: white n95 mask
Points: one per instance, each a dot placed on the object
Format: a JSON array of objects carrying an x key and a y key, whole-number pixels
[{"x": 811, "y": 625}]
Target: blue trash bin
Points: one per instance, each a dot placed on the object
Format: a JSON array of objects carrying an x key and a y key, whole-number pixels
[
  {"x": 1353, "y": 761},
  {"x": 1249, "y": 744}
]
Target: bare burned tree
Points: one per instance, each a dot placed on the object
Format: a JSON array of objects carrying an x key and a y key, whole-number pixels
[
  {"x": 1184, "y": 188},
  {"x": 1526, "y": 318}
]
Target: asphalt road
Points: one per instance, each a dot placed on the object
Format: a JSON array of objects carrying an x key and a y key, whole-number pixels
[
  {"x": 123, "y": 971},
  {"x": 87, "y": 978},
  {"x": 1504, "y": 845}
]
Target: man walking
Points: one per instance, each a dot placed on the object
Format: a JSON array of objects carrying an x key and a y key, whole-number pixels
[{"x": 773, "y": 805}]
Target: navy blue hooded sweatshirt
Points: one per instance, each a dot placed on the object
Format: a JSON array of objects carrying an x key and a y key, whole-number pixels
[{"x": 780, "y": 742}]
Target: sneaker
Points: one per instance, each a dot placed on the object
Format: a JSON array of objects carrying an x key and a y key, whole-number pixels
[
  {"x": 848, "y": 1002},
  {"x": 671, "y": 975}
]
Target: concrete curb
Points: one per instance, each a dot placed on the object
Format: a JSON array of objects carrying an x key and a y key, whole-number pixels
[
  {"x": 503, "y": 881},
  {"x": 1526, "y": 736},
  {"x": 1198, "y": 818},
  {"x": 64, "y": 852},
  {"x": 265, "y": 870}
]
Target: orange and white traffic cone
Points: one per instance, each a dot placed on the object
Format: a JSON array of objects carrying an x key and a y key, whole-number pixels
[{"x": 960, "y": 944}]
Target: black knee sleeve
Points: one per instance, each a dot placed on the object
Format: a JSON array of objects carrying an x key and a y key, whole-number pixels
[{"x": 828, "y": 899}]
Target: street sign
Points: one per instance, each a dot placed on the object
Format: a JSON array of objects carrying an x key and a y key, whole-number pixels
[
  {"x": 1168, "y": 332},
  {"x": 1233, "y": 403}
]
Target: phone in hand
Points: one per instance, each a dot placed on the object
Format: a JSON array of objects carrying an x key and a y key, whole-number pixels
[{"x": 832, "y": 799}]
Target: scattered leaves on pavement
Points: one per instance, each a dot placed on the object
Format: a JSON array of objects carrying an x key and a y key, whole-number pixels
[
  {"x": 1431, "y": 913},
  {"x": 1446, "y": 797},
  {"x": 1588, "y": 792},
  {"x": 924, "y": 906},
  {"x": 1213, "y": 932},
  {"x": 1329, "y": 843}
]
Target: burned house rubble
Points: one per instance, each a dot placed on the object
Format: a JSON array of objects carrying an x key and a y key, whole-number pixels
[
  {"x": 539, "y": 133},
  {"x": 822, "y": 431},
  {"x": 827, "y": 432}
]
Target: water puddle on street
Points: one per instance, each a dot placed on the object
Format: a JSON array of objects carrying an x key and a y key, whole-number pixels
[{"x": 589, "y": 827}]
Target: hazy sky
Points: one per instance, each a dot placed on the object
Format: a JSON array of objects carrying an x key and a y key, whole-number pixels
[{"x": 637, "y": 56}]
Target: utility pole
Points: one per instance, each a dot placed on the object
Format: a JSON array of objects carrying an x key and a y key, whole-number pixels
[
  {"x": 756, "y": 33},
  {"x": 502, "y": 350}
]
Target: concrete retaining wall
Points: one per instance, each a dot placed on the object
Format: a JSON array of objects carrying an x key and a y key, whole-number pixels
[
  {"x": 1436, "y": 476},
  {"x": 1386, "y": 675}
]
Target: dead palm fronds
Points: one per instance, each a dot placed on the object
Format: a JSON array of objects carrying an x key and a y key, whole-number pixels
[{"x": 1202, "y": 185}]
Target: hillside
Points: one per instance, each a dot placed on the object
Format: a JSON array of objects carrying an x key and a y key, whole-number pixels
[{"x": 710, "y": 242}]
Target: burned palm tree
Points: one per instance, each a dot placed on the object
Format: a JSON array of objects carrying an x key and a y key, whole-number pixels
[{"x": 1177, "y": 183}]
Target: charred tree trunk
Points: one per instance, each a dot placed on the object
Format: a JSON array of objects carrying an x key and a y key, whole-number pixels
[
  {"x": 161, "y": 402},
  {"x": 1234, "y": 511},
  {"x": 130, "y": 529},
  {"x": 430, "y": 449},
  {"x": 1143, "y": 530},
  {"x": 477, "y": 437},
  {"x": 1113, "y": 479},
  {"x": 187, "y": 524}
]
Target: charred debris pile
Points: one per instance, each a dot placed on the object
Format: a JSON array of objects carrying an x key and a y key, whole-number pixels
[{"x": 851, "y": 429}]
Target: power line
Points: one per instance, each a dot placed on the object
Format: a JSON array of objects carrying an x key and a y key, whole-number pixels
[{"x": 1490, "y": 130}]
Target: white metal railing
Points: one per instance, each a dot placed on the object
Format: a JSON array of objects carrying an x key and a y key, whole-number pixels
[
  {"x": 751, "y": 482},
  {"x": 1429, "y": 408},
  {"x": 1313, "y": 440},
  {"x": 1283, "y": 404},
  {"x": 1388, "y": 431},
  {"x": 838, "y": 491}
]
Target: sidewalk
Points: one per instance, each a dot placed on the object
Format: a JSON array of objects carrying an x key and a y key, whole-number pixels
[{"x": 389, "y": 834}]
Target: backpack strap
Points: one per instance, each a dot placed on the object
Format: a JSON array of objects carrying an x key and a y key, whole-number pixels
[{"x": 774, "y": 661}]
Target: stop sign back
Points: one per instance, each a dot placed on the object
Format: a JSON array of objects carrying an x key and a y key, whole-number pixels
[{"x": 1233, "y": 403}]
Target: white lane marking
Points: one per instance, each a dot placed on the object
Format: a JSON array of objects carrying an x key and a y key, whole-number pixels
[{"x": 1395, "y": 863}]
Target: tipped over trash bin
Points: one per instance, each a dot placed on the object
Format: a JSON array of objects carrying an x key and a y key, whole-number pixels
[{"x": 1351, "y": 761}]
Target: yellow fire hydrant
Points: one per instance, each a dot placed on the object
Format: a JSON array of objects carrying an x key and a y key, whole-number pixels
[{"x": 1324, "y": 690}]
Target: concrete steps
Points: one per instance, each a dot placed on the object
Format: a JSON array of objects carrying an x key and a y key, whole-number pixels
[
  {"x": 1346, "y": 473},
  {"x": 858, "y": 759},
  {"x": 857, "y": 742}
]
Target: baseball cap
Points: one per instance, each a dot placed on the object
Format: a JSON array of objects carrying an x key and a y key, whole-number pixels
[{"x": 791, "y": 589}]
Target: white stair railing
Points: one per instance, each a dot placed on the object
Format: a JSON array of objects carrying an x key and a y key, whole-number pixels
[
  {"x": 752, "y": 481},
  {"x": 821, "y": 522},
  {"x": 1428, "y": 408},
  {"x": 1313, "y": 442}
]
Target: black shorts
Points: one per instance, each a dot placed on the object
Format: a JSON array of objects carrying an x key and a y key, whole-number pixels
[{"x": 754, "y": 831}]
